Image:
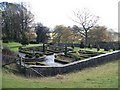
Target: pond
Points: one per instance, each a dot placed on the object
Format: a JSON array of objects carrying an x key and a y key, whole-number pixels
[{"x": 49, "y": 59}]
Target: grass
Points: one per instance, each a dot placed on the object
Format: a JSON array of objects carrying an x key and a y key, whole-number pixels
[
  {"x": 14, "y": 45},
  {"x": 0, "y": 78},
  {"x": 104, "y": 76}
]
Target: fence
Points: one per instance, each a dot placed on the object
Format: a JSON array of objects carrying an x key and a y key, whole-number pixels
[{"x": 78, "y": 65}]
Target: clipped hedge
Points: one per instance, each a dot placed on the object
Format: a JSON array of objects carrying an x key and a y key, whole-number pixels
[
  {"x": 35, "y": 63},
  {"x": 30, "y": 63},
  {"x": 75, "y": 56},
  {"x": 62, "y": 61},
  {"x": 39, "y": 54},
  {"x": 48, "y": 53},
  {"x": 29, "y": 56},
  {"x": 40, "y": 63},
  {"x": 25, "y": 52}
]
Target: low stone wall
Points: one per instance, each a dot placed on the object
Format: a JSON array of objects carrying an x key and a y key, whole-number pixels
[{"x": 78, "y": 65}]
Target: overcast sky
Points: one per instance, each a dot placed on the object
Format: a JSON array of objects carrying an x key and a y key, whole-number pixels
[{"x": 56, "y": 12}]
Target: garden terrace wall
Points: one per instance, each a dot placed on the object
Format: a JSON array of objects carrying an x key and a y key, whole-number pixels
[{"x": 78, "y": 65}]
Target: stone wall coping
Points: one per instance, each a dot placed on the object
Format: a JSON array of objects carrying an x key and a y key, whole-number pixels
[{"x": 109, "y": 53}]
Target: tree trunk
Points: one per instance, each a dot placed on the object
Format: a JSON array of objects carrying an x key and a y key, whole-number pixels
[{"x": 86, "y": 38}]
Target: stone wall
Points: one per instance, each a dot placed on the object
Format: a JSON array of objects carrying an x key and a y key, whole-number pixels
[{"x": 78, "y": 65}]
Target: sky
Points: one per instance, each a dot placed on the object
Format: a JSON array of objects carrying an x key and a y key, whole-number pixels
[{"x": 56, "y": 12}]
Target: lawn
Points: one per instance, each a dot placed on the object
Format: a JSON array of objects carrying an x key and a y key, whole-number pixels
[
  {"x": 0, "y": 77},
  {"x": 14, "y": 45},
  {"x": 103, "y": 76}
]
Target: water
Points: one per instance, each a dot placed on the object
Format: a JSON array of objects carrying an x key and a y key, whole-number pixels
[
  {"x": 50, "y": 61},
  {"x": 21, "y": 54}
]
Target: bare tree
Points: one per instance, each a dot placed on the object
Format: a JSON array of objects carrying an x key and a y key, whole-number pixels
[{"x": 86, "y": 20}]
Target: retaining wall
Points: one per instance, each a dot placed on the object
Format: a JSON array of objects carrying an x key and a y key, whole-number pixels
[{"x": 78, "y": 65}]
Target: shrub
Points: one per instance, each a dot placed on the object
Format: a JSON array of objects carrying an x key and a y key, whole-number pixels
[
  {"x": 55, "y": 56},
  {"x": 48, "y": 53},
  {"x": 74, "y": 55},
  {"x": 5, "y": 41},
  {"x": 37, "y": 55},
  {"x": 30, "y": 63},
  {"x": 24, "y": 41},
  {"x": 33, "y": 42},
  {"x": 26, "y": 55},
  {"x": 40, "y": 54},
  {"x": 44, "y": 48},
  {"x": 62, "y": 61},
  {"x": 98, "y": 47},
  {"x": 20, "y": 48},
  {"x": 82, "y": 45},
  {"x": 90, "y": 46},
  {"x": 106, "y": 49},
  {"x": 114, "y": 48},
  {"x": 8, "y": 56},
  {"x": 29, "y": 56},
  {"x": 25, "y": 52},
  {"x": 72, "y": 46},
  {"x": 65, "y": 51},
  {"x": 85, "y": 56},
  {"x": 40, "y": 63}
]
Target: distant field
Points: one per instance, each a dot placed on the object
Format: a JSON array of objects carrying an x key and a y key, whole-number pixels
[{"x": 103, "y": 76}]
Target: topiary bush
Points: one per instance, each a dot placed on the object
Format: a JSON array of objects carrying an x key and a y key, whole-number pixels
[
  {"x": 37, "y": 55},
  {"x": 48, "y": 53},
  {"x": 98, "y": 48},
  {"x": 82, "y": 45},
  {"x": 65, "y": 50},
  {"x": 72, "y": 46},
  {"x": 40, "y": 54},
  {"x": 33, "y": 42},
  {"x": 106, "y": 49},
  {"x": 24, "y": 41},
  {"x": 114, "y": 48},
  {"x": 28, "y": 56},
  {"x": 5, "y": 41},
  {"x": 90, "y": 46}
]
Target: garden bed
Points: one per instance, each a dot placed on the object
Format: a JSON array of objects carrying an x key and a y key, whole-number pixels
[{"x": 35, "y": 63}]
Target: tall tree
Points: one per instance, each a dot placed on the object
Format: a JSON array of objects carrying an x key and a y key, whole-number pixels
[
  {"x": 99, "y": 34},
  {"x": 62, "y": 34},
  {"x": 42, "y": 33},
  {"x": 86, "y": 20},
  {"x": 16, "y": 20}
]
